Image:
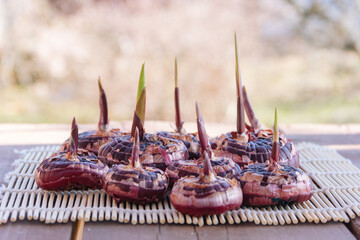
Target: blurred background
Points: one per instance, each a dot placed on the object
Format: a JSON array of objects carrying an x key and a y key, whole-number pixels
[{"x": 302, "y": 56}]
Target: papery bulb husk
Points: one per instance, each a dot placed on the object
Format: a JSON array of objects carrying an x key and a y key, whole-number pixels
[
  {"x": 190, "y": 140},
  {"x": 93, "y": 140},
  {"x": 137, "y": 185},
  {"x": 285, "y": 185},
  {"x": 223, "y": 167},
  {"x": 61, "y": 172},
  {"x": 256, "y": 149},
  {"x": 118, "y": 151},
  {"x": 196, "y": 198}
]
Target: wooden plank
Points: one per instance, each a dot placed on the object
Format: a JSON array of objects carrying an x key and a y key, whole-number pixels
[
  {"x": 211, "y": 232},
  {"x": 328, "y": 231},
  {"x": 34, "y": 230},
  {"x": 116, "y": 231},
  {"x": 354, "y": 227},
  {"x": 175, "y": 232}
]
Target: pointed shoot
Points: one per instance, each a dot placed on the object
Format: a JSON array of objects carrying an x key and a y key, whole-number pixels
[
  {"x": 274, "y": 159},
  {"x": 73, "y": 140},
  {"x": 240, "y": 121},
  {"x": 178, "y": 122},
  {"x": 208, "y": 174},
  {"x": 139, "y": 113},
  {"x": 203, "y": 137},
  {"x": 176, "y": 73},
  {"x": 141, "y": 85},
  {"x": 135, "y": 154},
  {"x": 104, "y": 119},
  {"x": 276, "y": 128},
  {"x": 255, "y": 124}
]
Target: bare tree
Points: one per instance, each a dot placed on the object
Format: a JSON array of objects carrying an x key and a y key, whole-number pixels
[{"x": 337, "y": 20}]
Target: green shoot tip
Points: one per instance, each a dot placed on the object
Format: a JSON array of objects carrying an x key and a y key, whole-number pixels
[{"x": 276, "y": 127}]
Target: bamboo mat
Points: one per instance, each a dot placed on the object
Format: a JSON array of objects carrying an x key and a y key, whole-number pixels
[{"x": 336, "y": 197}]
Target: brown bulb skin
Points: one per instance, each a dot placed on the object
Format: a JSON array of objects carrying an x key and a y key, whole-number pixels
[
  {"x": 283, "y": 185},
  {"x": 198, "y": 198},
  {"x": 137, "y": 185},
  {"x": 118, "y": 151},
  {"x": 256, "y": 148},
  {"x": 93, "y": 140},
  {"x": 64, "y": 172}
]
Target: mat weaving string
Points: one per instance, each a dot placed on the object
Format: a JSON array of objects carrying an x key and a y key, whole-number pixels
[{"x": 336, "y": 197}]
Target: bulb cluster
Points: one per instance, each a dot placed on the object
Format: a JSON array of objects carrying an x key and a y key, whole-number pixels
[{"x": 253, "y": 165}]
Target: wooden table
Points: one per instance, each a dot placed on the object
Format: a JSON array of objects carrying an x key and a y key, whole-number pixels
[{"x": 344, "y": 138}]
